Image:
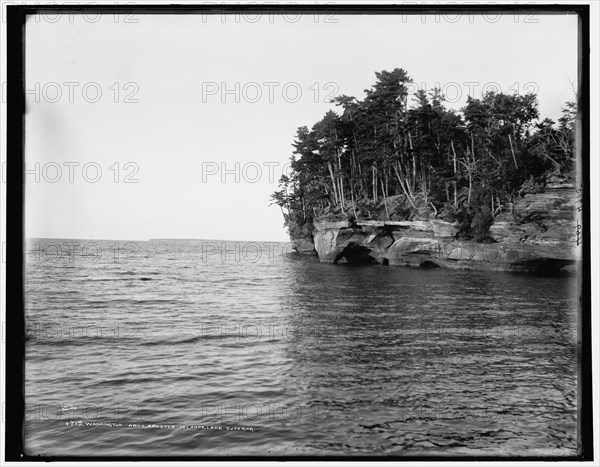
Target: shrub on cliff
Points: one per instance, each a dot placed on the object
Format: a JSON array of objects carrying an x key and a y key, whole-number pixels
[{"x": 480, "y": 225}]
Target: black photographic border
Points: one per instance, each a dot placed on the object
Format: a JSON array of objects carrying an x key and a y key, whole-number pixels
[{"x": 15, "y": 298}]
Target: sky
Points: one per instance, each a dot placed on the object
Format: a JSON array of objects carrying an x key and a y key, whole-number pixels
[{"x": 179, "y": 126}]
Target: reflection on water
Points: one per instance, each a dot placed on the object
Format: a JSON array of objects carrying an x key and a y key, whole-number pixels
[{"x": 315, "y": 359}]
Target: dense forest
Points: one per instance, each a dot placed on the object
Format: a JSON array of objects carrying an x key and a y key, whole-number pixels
[{"x": 392, "y": 156}]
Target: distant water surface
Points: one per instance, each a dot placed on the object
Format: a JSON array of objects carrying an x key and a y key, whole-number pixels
[{"x": 210, "y": 348}]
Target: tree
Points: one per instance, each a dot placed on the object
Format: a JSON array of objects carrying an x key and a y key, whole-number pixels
[{"x": 464, "y": 165}]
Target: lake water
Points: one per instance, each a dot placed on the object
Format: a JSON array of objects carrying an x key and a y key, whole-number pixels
[{"x": 210, "y": 348}]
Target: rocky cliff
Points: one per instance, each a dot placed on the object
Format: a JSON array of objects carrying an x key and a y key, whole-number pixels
[{"x": 537, "y": 235}]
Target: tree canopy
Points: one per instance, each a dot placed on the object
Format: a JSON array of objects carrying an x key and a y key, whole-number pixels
[{"x": 395, "y": 156}]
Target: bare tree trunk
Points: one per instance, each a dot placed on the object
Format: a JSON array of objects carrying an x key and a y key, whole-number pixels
[
  {"x": 374, "y": 185},
  {"x": 360, "y": 180},
  {"x": 412, "y": 195},
  {"x": 469, "y": 169},
  {"x": 557, "y": 164},
  {"x": 384, "y": 199},
  {"x": 513, "y": 152},
  {"x": 408, "y": 197},
  {"x": 303, "y": 208},
  {"x": 455, "y": 197},
  {"x": 455, "y": 170},
  {"x": 341, "y": 183},
  {"x": 470, "y": 187},
  {"x": 353, "y": 201},
  {"x": 333, "y": 182},
  {"x": 454, "y": 155},
  {"x": 387, "y": 187},
  {"x": 414, "y": 160}
]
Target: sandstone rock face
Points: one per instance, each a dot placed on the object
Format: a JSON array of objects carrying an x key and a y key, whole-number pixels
[
  {"x": 538, "y": 237},
  {"x": 444, "y": 229},
  {"x": 370, "y": 241},
  {"x": 303, "y": 246},
  {"x": 331, "y": 238},
  {"x": 545, "y": 220},
  {"x": 419, "y": 252}
]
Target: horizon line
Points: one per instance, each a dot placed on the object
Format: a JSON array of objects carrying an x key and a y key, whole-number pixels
[{"x": 153, "y": 239}]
